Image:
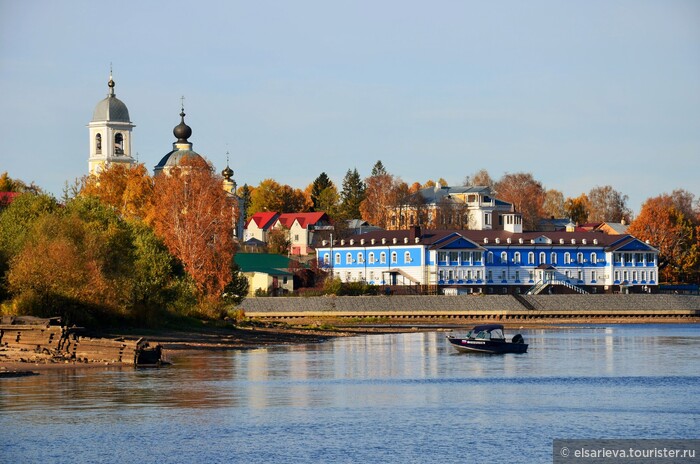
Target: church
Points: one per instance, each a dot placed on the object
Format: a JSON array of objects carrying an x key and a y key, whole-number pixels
[{"x": 110, "y": 132}]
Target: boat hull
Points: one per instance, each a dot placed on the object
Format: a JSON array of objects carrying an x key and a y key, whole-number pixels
[{"x": 468, "y": 345}]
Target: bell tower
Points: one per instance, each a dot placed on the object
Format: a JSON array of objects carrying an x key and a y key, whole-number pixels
[{"x": 110, "y": 133}]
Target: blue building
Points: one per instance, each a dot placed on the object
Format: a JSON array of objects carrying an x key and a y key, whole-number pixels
[{"x": 495, "y": 261}]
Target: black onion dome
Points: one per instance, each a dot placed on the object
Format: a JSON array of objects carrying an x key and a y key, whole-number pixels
[
  {"x": 227, "y": 173},
  {"x": 182, "y": 131}
]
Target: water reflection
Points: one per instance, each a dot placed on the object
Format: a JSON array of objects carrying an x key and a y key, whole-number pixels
[{"x": 383, "y": 396}]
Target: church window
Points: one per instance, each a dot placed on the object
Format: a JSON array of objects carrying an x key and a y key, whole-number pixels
[
  {"x": 98, "y": 143},
  {"x": 118, "y": 144}
]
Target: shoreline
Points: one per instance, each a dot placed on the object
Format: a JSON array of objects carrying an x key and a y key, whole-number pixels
[{"x": 308, "y": 330}]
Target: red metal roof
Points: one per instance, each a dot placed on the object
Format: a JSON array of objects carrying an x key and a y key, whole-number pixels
[{"x": 263, "y": 220}]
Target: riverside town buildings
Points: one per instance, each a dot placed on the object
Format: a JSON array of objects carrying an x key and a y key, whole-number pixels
[{"x": 495, "y": 261}]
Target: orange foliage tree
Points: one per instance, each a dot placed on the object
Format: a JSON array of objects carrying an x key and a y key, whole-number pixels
[
  {"x": 126, "y": 188},
  {"x": 669, "y": 223},
  {"x": 577, "y": 209},
  {"x": 525, "y": 193},
  {"x": 194, "y": 216}
]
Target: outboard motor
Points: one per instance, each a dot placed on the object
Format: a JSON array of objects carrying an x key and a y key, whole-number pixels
[{"x": 518, "y": 339}]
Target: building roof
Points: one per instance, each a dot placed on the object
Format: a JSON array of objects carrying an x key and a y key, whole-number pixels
[
  {"x": 492, "y": 238},
  {"x": 305, "y": 219},
  {"x": 266, "y": 263},
  {"x": 612, "y": 228},
  {"x": 263, "y": 220},
  {"x": 111, "y": 108}
]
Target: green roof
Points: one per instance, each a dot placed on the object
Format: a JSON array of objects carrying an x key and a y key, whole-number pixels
[{"x": 263, "y": 262}]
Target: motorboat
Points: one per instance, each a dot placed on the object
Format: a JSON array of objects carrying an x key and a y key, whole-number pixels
[{"x": 488, "y": 338}]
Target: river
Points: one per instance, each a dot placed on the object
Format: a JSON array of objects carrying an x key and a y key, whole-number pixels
[{"x": 376, "y": 398}]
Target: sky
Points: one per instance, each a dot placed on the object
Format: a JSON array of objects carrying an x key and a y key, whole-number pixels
[{"x": 578, "y": 93}]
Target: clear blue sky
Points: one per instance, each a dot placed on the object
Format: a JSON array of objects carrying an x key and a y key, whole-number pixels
[{"x": 579, "y": 93}]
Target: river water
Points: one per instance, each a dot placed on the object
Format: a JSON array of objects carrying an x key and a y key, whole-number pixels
[{"x": 377, "y": 398}]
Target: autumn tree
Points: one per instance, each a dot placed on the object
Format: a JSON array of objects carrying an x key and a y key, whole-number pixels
[
  {"x": 607, "y": 205},
  {"x": 480, "y": 178},
  {"x": 377, "y": 206},
  {"x": 16, "y": 223},
  {"x": 352, "y": 195},
  {"x": 88, "y": 265},
  {"x": 278, "y": 241},
  {"x": 554, "y": 204},
  {"x": 126, "y": 188},
  {"x": 670, "y": 223},
  {"x": 526, "y": 194},
  {"x": 194, "y": 217},
  {"x": 8, "y": 184},
  {"x": 577, "y": 209},
  {"x": 270, "y": 195}
]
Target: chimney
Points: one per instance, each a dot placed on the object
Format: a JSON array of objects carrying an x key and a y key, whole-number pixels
[{"x": 414, "y": 233}]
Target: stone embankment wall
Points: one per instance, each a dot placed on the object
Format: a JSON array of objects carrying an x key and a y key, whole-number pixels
[
  {"x": 688, "y": 304},
  {"x": 518, "y": 306}
]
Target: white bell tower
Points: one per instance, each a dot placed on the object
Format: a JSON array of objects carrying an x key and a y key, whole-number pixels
[{"x": 110, "y": 133}]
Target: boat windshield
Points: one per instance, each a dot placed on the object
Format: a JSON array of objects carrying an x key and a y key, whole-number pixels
[{"x": 497, "y": 334}]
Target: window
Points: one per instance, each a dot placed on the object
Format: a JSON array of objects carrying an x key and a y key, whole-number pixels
[
  {"x": 296, "y": 238},
  {"x": 553, "y": 258},
  {"x": 453, "y": 256},
  {"x": 580, "y": 275},
  {"x": 517, "y": 276},
  {"x": 617, "y": 257},
  {"x": 465, "y": 256},
  {"x": 370, "y": 257},
  {"x": 617, "y": 275},
  {"x": 98, "y": 143},
  {"x": 651, "y": 275},
  {"x": 579, "y": 258},
  {"x": 118, "y": 144},
  {"x": 394, "y": 258},
  {"x": 476, "y": 256},
  {"x": 407, "y": 257},
  {"x": 487, "y": 219},
  {"x": 531, "y": 258},
  {"x": 516, "y": 257},
  {"x": 543, "y": 259},
  {"x": 504, "y": 257},
  {"x": 478, "y": 275},
  {"x": 489, "y": 258},
  {"x": 442, "y": 256},
  {"x": 326, "y": 258},
  {"x": 348, "y": 258},
  {"x": 594, "y": 258},
  {"x": 337, "y": 258},
  {"x": 382, "y": 258},
  {"x": 593, "y": 276},
  {"x": 531, "y": 275},
  {"x": 503, "y": 275},
  {"x": 489, "y": 275},
  {"x": 360, "y": 258},
  {"x": 567, "y": 258}
]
